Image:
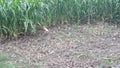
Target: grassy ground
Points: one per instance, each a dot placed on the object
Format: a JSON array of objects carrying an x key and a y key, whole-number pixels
[
  {"x": 5, "y": 61},
  {"x": 68, "y": 46}
]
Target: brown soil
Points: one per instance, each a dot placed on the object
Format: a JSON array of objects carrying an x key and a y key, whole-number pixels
[{"x": 68, "y": 46}]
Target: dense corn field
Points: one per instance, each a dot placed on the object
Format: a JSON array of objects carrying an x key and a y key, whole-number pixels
[{"x": 22, "y": 16}]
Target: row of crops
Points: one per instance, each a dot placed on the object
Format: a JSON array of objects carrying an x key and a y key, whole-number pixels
[{"x": 22, "y": 16}]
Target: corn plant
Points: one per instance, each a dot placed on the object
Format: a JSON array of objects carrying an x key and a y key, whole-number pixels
[{"x": 22, "y": 16}]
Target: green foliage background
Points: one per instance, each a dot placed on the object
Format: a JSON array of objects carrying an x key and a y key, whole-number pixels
[{"x": 18, "y": 16}]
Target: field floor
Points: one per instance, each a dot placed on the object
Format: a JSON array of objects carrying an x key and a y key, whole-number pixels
[{"x": 68, "y": 46}]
